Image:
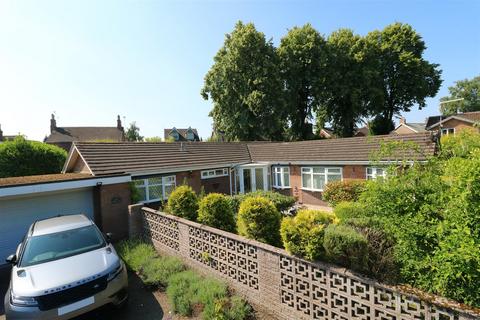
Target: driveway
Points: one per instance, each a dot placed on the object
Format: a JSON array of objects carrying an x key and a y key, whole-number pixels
[{"x": 142, "y": 303}]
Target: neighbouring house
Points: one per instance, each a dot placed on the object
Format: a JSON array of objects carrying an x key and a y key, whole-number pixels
[
  {"x": 63, "y": 137},
  {"x": 362, "y": 132},
  {"x": 181, "y": 134},
  {"x": 23, "y": 200},
  {"x": 453, "y": 123},
  {"x": 301, "y": 169},
  {"x": 328, "y": 133},
  {"x": 405, "y": 127},
  {"x": 6, "y": 138}
]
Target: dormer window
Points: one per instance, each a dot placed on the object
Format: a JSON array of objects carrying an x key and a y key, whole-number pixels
[{"x": 190, "y": 135}]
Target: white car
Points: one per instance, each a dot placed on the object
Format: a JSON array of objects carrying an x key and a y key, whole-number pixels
[{"x": 64, "y": 267}]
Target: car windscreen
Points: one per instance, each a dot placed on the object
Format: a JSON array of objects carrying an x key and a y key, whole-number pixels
[{"x": 54, "y": 246}]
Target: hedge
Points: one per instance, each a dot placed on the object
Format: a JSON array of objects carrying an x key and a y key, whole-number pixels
[
  {"x": 183, "y": 202},
  {"x": 347, "y": 190},
  {"x": 215, "y": 211},
  {"x": 280, "y": 201}
]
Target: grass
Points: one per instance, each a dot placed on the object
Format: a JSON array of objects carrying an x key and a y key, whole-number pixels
[
  {"x": 157, "y": 271},
  {"x": 136, "y": 253}
]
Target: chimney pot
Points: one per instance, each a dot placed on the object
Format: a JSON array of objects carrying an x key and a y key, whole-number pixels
[
  {"x": 402, "y": 120},
  {"x": 119, "y": 122},
  {"x": 53, "y": 124}
]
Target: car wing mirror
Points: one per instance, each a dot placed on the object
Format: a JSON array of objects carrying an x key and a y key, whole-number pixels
[
  {"x": 11, "y": 259},
  {"x": 109, "y": 236}
]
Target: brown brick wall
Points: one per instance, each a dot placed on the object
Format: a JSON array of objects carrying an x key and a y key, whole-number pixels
[
  {"x": 458, "y": 125},
  {"x": 284, "y": 286},
  {"x": 114, "y": 201},
  {"x": 191, "y": 177}
]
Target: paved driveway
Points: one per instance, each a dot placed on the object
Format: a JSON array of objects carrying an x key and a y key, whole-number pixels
[{"x": 142, "y": 303}]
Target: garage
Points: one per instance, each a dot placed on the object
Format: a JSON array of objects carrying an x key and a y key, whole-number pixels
[{"x": 22, "y": 203}]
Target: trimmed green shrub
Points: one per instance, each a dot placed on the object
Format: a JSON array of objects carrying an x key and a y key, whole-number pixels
[
  {"x": 183, "y": 202},
  {"x": 346, "y": 246},
  {"x": 303, "y": 234},
  {"x": 347, "y": 190},
  {"x": 259, "y": 219},
  {"x": 157, "y": 271},
  {"x": 345, "y": 210},
  {"x": 22, "y": 157},
  {"x": 280, "y": 201},
  {"x": 215, "y": 210},
  {"x": 135, "y": 253},
  {"x": 234, "y": 308}
]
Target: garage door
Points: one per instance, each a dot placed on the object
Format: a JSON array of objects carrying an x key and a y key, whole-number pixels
[{"x": 17, "y": 214}]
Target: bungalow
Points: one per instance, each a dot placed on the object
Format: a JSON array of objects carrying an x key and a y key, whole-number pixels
[
  {"x": 301, "y": 169},
  {"x": 453, "y": 123}
]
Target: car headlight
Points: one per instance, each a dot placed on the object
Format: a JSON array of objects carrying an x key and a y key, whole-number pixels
[
  {"x": 115, "y": 272},
  {"x": 23, "y": 301}
]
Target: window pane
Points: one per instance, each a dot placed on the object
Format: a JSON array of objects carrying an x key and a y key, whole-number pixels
[
  {"x": 318, "y": 170},
  {"x": 318, "y": 182},
  {"x": 369, "y": 170},
  {"x": 307, "y": 181},
  {"x": 278, "y": 180},
  {"x": 155, "y": 180},
  {"x": 259, "y": 178},
  {"x": 142, "y": 194},
  {"x": 169, "y": 179},
  {"x": 306, "y": 170},
  {"x": 379, "y": 172},
  {"x": 155, "y": 192},
  {"x": 286, "y": 169},
  {"x": 286, "y": 179},
  {"x": 334, "y": 177},
  {"x": 168, "y": 189},
  {"x": 334, "y": 170},
  {"x": 139, "y": 182}
]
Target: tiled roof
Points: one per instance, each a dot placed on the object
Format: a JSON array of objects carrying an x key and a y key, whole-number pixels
[
  {"x": 58, "y": 177},
  {"x": 344, "y": 149},
  {"x": 419, "y": 127},
  {"x": 129, "y": 157},
  {"x": 67, "y": 134}
]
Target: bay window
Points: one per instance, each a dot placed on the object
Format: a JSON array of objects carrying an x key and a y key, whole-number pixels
[
  {"x": 316, "y": 178},
  {"x": 154, "y": 188},
  {"x": 281, "y": 177}
]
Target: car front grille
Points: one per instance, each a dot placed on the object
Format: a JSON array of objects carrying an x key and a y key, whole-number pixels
[{"x": 64, "y": 297}]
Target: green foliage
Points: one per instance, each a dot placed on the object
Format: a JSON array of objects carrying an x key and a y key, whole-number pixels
[
  {"x": 153, "y": 139},
  {"x": 400, "y": 75},
  {"x": 157, "y": 271},
  {"x": 215, "y": 211},
  {"x": 347, "y": 190},
  {"x": 183, "y": 202},
  {"x": 469, "y": 91},
  {"x": 133, "y": 133},
  {"x": 346, "y": 210},
  {"x": 346, "y": 246},
  {"x": 259, "y": 219},
  {"x": 21, "y": 157},
  {"x": 135, "y": 196},
  {"x": 380, "y": 125},
  {"x": 244, "y": 84},
  {"x": 303, "y": 234},
  {"x": 280, "y": 201},
  {"x": 302, "y": 62},
  {"x": 234, "y": 308},
  {"x": 135, "y": 253},
  {"x": 460, "y": 145}
]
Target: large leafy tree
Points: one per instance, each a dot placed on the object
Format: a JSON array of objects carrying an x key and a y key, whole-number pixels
[
  {"x": 303, "y": 63},
  {"x": 404, "y": 77},
  {"x": 22, "y": 157},
  {"x": 469, "y": 91},
  {"x": 245, "y": 87},
  {"x": 348, "y": 93},
  {"x": 133, "y": 133}
]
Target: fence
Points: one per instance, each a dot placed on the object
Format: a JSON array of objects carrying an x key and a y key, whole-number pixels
[{"x": 285, "y": 286}]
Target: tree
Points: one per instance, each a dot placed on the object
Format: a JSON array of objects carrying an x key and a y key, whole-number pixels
[
  {"x": 21, "y": 157},
  {"x": 469, "y": 91},
  {"x": 348, "y": 93},
  {"x": 244, "y": 84},
  {"x": 302, "y": 61},
  {"x": 133, "y": 133},
  {"x": 401, "y": 73}
]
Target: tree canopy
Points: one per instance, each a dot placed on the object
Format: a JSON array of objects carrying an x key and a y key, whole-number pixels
[
  {"x": 133, "y": 133},
  {"x": 469, "y": 91},
  {"x": 245, "y": 87},
  {"x": 22, "y": 157},
  {"x": 263, "y": 93}
]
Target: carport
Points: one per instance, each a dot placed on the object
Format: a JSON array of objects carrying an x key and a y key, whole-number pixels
[{"x": 26, "y": 199}]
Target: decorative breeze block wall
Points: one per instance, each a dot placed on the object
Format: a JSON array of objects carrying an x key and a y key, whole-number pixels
[{"x": 285, "y": 286}]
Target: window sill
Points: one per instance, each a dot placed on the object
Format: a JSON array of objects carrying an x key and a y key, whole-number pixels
[
  {"x": 281, "y": 188},
  {"x": 312, "y": 190}
]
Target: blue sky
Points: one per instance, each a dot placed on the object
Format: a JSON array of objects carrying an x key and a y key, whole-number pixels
[{"x": 88, "y": 61}]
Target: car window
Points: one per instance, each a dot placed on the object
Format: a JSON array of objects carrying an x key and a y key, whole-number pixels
[{"x": 54, "y": 246}]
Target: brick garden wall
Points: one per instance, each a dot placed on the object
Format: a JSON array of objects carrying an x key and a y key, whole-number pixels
[{"x": 284, "y": 286}]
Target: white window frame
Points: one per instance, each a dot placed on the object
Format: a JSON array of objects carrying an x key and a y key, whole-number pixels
[
  {"x": 446, "y": 131},
  {"x": 325, "y": 174},
  {"x": 147, "y": 185},
  {"x": 374, "y": 174},
  {"x": 214, "y": 173},
  {"x": 282, "y": 170}
]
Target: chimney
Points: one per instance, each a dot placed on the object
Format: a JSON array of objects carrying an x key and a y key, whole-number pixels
[
  {"x": 1, "y": 133},
  {"x": 53, "y": 124},
  {"x": 402, "y": 120},
  {"x": 119, "y": 123}
]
